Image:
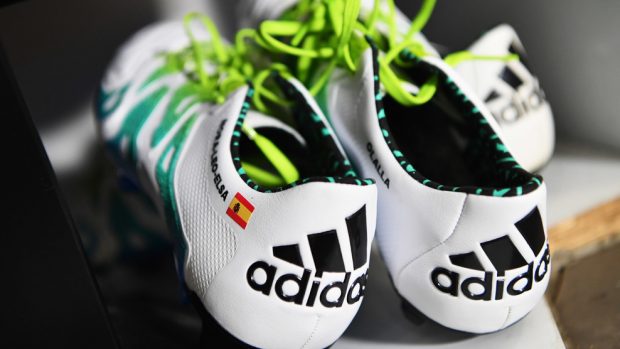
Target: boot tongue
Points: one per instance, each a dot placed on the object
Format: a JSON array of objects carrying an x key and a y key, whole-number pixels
[
  {"x": 260, "y": 129},
  {"x": 411, "y": 88},
  {"x": 258, "y": 120}
]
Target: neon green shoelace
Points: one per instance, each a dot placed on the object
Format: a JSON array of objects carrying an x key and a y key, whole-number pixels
[
  {"x": 230, "y": 67},
  {"x": 331, "y": 32},
  {"x": 321, "y": 35},
  {"x": 312, "y": 31}
]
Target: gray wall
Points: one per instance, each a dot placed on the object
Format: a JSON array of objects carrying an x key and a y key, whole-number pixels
[
  {"x": 574, "y": 48},
  {"x": 60, "y": 48}
]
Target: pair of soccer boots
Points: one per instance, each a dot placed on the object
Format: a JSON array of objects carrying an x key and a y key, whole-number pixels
[{"x": 276, "y": 158}]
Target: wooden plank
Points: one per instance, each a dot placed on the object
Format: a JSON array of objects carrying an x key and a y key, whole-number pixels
[
  {"x": 582, "y": 294},
  {"x": 587, "y": 306},
  {"x": 585, "y": 234}
]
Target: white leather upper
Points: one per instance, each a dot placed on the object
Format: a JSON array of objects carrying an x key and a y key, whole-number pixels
[
  {"x": 280, "y": 218},
  {"x": 418, "y": 226},
  {"x": 524, "y": 115},
  {"x": 205, "y": 181}
]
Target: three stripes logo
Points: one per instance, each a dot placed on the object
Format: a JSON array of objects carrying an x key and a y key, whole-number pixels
[
  {"x": 310, "y": 285},
  {"x": 524, "y": 95},
  {"x": 504, "y": 257}
]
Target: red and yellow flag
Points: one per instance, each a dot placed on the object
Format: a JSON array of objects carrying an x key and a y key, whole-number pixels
[{"x": 240, "y": 210}]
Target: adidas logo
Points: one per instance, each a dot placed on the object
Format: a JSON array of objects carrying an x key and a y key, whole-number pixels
[
  {"x": 521, "y": 101},
  {"x": 309, "y": 287},
  {"x": 505, "y": 257}
]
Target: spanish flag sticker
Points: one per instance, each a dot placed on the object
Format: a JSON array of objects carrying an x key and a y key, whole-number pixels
[{"x": 240, "y": 210}]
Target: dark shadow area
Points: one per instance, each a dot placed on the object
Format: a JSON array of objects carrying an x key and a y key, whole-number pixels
[
  {"x": 131, "y": 254},
  {"x": 59, "y": 49},
  {"x": 227, "y": 10},
  {"x": 49, "y": 297}
]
